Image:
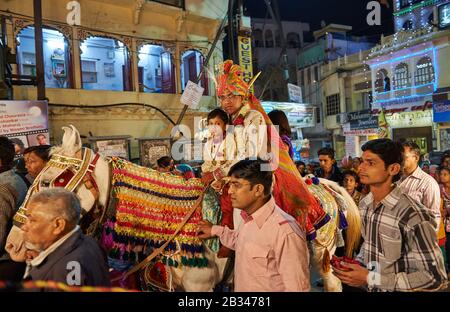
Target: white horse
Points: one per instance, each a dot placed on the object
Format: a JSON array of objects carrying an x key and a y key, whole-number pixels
[
  {"x": 89, "y": 175},
  {"x": 73, "y": 168},
  {"x": 334, "y": 198}
]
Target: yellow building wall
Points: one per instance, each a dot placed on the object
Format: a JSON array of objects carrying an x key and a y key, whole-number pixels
[{"x": 194, "y": 28}]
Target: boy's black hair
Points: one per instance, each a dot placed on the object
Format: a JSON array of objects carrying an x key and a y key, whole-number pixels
[
  {"x": 42, "y": 151},
  {"x": 164, "y": 161},
  {"x": 389, "y": 151},
  {"x": 251, "y": 170},
  {"x": 218, "y": 112},
  {"x": 326, "y": 151},
  {"x": 299, "y": 162},
  {"x": 7, "y": 153},
  {"x": 440, "y": 168},
  {"x": 351, "y": 173}
]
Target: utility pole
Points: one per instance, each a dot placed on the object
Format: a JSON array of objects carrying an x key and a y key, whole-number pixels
[
  {"x": 40, "y": 75},
  {"x": 231, "y": 38},
  {"x": 274, "y": 12}
]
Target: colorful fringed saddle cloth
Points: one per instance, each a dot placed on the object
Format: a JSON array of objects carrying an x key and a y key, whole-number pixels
[{"x": 150, "y": 207}]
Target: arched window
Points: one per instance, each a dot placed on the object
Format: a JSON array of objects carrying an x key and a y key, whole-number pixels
[
  {"x": 401, "y": 76},
  {"x": 57, "y": 57},
  {"x": 105, "y": 64},
  {"x": 382, "y": 74},
  {"x": 277, "y": 38},
  {"x": 191, "y": 65},
  {"x": 293, "y": 40},
  {"x": 268, "y": 36},
  {"x": 431, "y": 19},
  {"x": 258, "y": 38},
  {"x": 424, "y": 71},
  {"x": 155, "y": 70},
  {"x": 407, "y": 25}
]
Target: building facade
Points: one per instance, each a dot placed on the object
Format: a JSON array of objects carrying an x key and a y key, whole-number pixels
[
  {"x": 266, "y": 56},
  {"x": 122, "y": 70},
  {"x": 410, "y": 72},
  {"x": 322, "y": 84}
]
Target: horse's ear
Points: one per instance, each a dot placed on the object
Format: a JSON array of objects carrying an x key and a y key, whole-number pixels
[{"x": 77, "y": 137}]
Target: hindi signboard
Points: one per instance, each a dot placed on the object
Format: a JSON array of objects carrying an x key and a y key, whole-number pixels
[
  {"x": 363, "y": 119},
  {"x": 441, "y": 111},
  {"x": 25, "y": 123},
  {"x": 295, "y": 93}
]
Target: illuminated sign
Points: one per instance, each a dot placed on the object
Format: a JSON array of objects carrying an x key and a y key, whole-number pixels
[
  {"x": 245, "y": 58},
  {"x": 444, "y": 15}
]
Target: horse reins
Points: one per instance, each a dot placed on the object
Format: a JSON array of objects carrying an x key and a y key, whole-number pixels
[{"x": 156, "y": 252}]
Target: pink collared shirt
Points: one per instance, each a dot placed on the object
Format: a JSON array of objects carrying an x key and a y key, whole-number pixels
[{"x": 271, "y": 252}]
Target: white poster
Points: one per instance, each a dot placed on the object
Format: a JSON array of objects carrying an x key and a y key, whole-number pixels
[{"x": 25, "y": 123}]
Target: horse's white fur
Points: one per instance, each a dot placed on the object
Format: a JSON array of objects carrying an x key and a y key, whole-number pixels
[
  {"x": 71, "y": 145},
  {"x": 330, "y": 281}
]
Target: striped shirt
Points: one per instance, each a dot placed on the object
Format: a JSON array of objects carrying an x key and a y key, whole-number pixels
[
  {"x": 400, "y": 245},
  {"x": 424, "y": 189}
]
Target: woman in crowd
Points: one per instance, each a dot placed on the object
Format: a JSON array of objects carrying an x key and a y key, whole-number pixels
[
  {"x": 278, "y": 118},
  {"x": 36, "y": 158}
]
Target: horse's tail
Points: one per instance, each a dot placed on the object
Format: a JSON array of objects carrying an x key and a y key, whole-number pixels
[{"x": 353, "y": 234}]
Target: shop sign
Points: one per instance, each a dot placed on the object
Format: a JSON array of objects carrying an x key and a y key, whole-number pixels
[
  {"x": 441, "y": 111},
  {"x": 299, "y": 115},
  {"x": 295, "y": 93},
  {"x": 26, "y": 121},
  {"x": 245, "y": 58},
  {"x": 361, "y": 120},
  {"x": 410, "y": 119}
]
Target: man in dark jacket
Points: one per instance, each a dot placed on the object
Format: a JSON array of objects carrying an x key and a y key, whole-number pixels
[
  {"x": 12, "y": 193},
  {"x": 328, "y": 167},
  {"x": 64, "y": 253}
]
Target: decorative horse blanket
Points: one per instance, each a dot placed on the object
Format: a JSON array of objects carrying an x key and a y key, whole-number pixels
[{"x": 150, "y": 206}]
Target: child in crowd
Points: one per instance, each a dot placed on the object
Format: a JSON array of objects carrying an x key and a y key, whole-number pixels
[
  {"x": 219, "y": 155},
  {"x": 350, "y": 183}
]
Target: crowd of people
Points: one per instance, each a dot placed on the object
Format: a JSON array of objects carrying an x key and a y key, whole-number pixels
[{"x": 405, "y": 212}]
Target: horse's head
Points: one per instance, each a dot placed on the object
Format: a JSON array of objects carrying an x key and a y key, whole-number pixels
[
  {"x": 71, "y": 142},
  {"x": 79, "y": 170}
]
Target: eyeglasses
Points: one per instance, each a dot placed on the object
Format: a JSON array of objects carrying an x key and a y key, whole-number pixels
[
  {"x": 238, "y": 185},
  {"x": 228, "y": 97}
]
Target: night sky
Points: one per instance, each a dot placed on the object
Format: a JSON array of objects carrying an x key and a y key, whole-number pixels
[{"x": 348, "y": 12}]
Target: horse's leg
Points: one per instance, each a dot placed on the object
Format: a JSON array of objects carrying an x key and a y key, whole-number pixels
[{"x": 330, "y": 282}]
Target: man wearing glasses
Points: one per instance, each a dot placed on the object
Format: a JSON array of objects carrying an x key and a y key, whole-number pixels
[{"x": 271, "y": 250}]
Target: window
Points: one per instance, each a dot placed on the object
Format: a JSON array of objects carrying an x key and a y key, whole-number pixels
[
  {"x": 156, "y": 70},
  {"x": 424, "y": 71},
  {"x": 316, "y": 74},
  {"x": 293, "y": 40},
  {"x": 381, "y": 77},
  {"x": 177, "y": 3},
  {"x": 191, "y": 65},
  {"x": 269, "y": 38},
  {"x": 431, "y": 19},
  {"x": 105, "y": 65},
  {"x": 308, "y": 76},
  {"x": 89, "y": 71},
  {"x": 302, "y": 78},
  {"x": 333, "y": 105},
  {"x": 407, "y": 25},
  {"x": 258, "y": 38},
  {"x": 401, "y": 76},
  {"x": 277, "y": 38},
  {"x": 56, "y": 57}
]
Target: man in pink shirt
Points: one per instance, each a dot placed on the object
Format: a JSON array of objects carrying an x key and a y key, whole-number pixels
[{"x": 271, "y": 250}]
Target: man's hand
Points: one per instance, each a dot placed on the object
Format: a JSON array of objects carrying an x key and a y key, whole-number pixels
[
  {"x": 357, "y": 277},
  {"x": 204, "y": 229}
]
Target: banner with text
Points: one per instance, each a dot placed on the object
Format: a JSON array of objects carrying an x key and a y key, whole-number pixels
[{"x": 25, "y": 123}]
